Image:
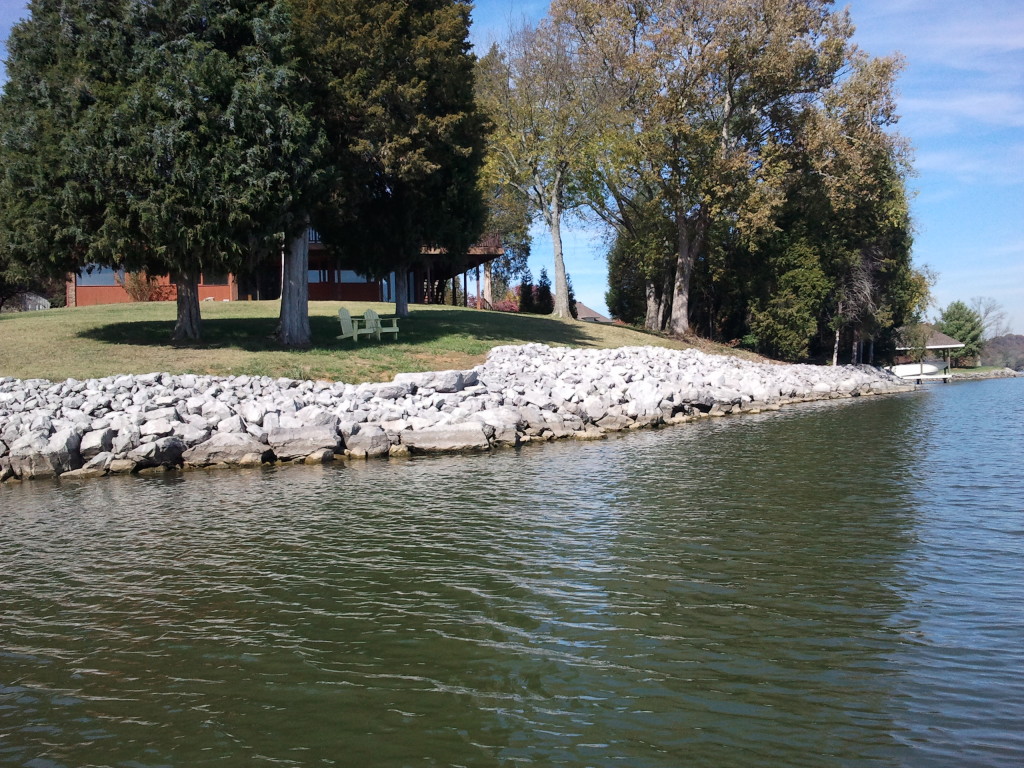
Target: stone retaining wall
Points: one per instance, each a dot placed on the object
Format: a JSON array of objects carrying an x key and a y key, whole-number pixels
[
  {"x": 1000, "y": 373},
  {"x": 157, "y": 421}
]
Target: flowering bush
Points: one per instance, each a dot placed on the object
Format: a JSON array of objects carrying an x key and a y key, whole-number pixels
[{"x": 506, "y": 304}]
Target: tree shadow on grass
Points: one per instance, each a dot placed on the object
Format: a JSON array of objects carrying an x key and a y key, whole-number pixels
[{"x": 422, "y": 327}]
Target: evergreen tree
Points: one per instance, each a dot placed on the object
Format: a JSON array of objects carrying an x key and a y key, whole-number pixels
[
  {"x": 965, "y": 325},
  {"x": 640, "y": 262},
  {"x": 66, "y": 64},
  {"x": 166, "y": 137},
  {"x": 544, "y": 301},
  {"x": 572, "y": 297},
  {"x": 395, "y": 84},
  {"x": 527, "y": 293},
  {"x": 218, "y": 141},
  {"x": 785, "y": 318},
  {"x": 13, "y": 279}
]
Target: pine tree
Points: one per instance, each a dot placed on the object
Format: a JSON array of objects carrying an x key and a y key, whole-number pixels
[
  {"x": 544, "y": 300},
  {"x": 66, "y": 64},
  {"x": 527, "y": 294},
  {"x": 395, "y": 85},
  {"x": 216, "y": 141},
  {"x": 965, "y": 325},
  {"x": 165, "y": 137}
]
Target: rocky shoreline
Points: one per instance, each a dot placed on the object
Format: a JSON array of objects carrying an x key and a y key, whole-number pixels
[
  {"x": 999, "y": 373},
  {"x": 155, "y": 422}
]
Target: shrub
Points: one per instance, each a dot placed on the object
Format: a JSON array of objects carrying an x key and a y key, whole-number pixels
[{"x": 140, "y": 286}]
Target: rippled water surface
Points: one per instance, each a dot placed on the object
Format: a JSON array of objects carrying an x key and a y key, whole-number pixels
[{"x": 833, "y": 585}]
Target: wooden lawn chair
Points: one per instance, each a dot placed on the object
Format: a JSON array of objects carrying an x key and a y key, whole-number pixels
[
  {"x": 375, "y": 325},
  {"x": 350, "y": 326}
]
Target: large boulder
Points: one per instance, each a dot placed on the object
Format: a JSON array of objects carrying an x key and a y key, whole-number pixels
[
  {"x": 369, "y": 441},
  {"x": 448, "y": 381},
  {"x": 394, "y": 390},
  {"x": 165, "y": 452},
  {"x": 299, "y": 442},
  {"x": 96, "y": 442},
  {"x": 228, "y": 448},
  {"x": 468, "y": 436},
  {"x": 315, "y": 416},
  {"x": 35, "y": 455}
]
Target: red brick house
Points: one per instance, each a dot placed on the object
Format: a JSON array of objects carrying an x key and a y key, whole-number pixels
[
  {"x": 328, "y": 280},
  {"x": 106, "y": 286}
]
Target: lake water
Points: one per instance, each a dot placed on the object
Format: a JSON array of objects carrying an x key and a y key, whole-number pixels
[{"x": 840, "y": 584}]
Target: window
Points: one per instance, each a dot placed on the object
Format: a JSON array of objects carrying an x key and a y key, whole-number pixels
[
  {"x": 95, "y": 276},
  {"x": 348, "y": 276},
  {"x": 215, "y": 278},
  {"x": 319, "y": 276}
]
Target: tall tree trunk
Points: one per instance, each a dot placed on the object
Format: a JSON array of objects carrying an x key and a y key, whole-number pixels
[
  {"x": 561, "y": 282},
  {"x": 402, "y": 290},
  {"x": 652, "y": 317},
  {"x": 488, "y": 288},
  {"x": 835, "y": 347},
  {"x": 293, "y": 328},
  {"x": 664, "y": 303},
  {"x": 679, "y": 323},
  {"x": 871, "y": 351},
  {"x": 187, "y": 325}
]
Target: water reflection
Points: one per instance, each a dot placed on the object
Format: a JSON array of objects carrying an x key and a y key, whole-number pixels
[{"x": 736, "y": 592}]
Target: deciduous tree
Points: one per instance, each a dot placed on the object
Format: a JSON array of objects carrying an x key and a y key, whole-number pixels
[
  {"x": 544, "y": 116},
  {"x": 993, "y": 317},
  {"x": 712, "y": 90}
]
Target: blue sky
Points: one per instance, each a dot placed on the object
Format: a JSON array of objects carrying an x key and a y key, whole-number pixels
[{"x": 962, "y": 107}]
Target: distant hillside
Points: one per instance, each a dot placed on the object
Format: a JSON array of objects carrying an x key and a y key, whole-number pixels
[{"x": 1005, "y": 350}]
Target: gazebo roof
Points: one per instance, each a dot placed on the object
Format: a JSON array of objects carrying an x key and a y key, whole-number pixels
[{"x": 936, "y": 340}]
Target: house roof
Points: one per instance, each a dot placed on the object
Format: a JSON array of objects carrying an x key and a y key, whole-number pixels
[
  {"x": 936, "y": 340},
  {"x": 583, "y": 312}
]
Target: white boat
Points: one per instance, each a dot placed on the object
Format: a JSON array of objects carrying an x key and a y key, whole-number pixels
[{"x": 919, "y": 371}]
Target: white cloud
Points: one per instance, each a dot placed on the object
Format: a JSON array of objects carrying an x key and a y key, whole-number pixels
[
  {"x": 949, "y": 34},
  {"x": 995, "y": 108},
  {"x": 998, "y": 165}
]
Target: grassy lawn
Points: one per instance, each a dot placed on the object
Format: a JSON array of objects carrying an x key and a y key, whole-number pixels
[
  {"x": 92, "y": 342},
  {"x": 979, "y": 369}
]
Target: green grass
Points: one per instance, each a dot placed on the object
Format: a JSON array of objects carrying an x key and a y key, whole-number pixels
[
  {"x": 238, "y": 338},
  {"x": 978, "y": 369}
]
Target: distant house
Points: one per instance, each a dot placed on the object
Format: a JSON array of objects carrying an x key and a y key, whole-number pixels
[
  {"x": 587, "y": 315},
  {"x": 103, "y": 285},
  {"x": 329, "y": 280}
]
